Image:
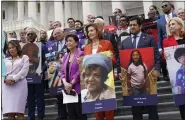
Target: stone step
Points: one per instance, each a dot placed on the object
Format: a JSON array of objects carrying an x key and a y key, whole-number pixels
[
  {"x": 118, "y": 87},
  {"x": 122, "y": 110},
  {"x": 160, "y": 90},
  {"x": 172, "y": 115}
]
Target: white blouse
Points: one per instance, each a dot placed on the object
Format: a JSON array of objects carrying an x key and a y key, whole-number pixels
[{"x": 94, "y": 51}]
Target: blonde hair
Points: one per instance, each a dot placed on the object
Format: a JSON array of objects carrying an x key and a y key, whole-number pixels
[{"x": 180, "y": 22}]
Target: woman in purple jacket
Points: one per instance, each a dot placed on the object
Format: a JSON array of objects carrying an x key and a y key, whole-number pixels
[{"x": 70, "y": 76}]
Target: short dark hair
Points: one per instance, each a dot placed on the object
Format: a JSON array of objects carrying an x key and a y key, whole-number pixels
[
  {"x": 71, "y": 19},
  {"x": 119, "y": 10},
  {"x": 167, "y": 2},
  {"x": 16, "y": 44},
  {"x": 59, "y": 53},
  {"x": 79, "y": 22},
  {"x": 100, "y": 17},
  {"x": 75, "y": 37},
  {"x": 124, "y": 16},
  {"x": 178, "y": 53},
  {"x": 139, "y": 21}
]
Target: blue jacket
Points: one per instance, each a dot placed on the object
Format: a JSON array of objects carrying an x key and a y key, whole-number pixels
[{"x": 161, "y": 29}]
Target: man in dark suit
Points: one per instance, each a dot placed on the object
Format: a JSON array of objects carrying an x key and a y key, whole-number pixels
[
  {"x": 35, "y": 91},
  {"x": 161, "y": 28},
  {"x": 59, "y": 38},
  {"x": 142, "y": 40}
]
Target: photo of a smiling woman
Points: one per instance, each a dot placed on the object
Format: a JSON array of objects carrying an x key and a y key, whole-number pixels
[
  {"x": 137, "y": 73},
  {"x": 96, "y": 69}
]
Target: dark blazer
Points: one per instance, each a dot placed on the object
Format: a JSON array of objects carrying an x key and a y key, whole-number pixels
[
  {"x": 144, "y": 42},
  {"x": 112, "y": 38},
  {"x": 161, "y": 29}
]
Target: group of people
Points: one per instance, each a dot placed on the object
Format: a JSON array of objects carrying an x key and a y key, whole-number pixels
[{"x": 75, "y": 42}]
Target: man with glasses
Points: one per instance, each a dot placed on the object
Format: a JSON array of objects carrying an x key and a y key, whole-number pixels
[
  {"x": 35, "y": 91},
  {"x": 123, "y": 25},
  {"x": 162, "y": 34},
  {"x": 71, "y": 22}
]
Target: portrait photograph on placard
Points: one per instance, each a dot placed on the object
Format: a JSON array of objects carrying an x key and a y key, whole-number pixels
[
  {"x": 175, "y": 58},
  {"x": 138, "y": 78},
  {"x": 97, "y": 83},
  {"x": 54, "y": 61},
  {"x": 33, "y": 51}
]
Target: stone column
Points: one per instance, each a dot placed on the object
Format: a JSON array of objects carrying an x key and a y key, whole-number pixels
[
  {"x": 118, "y": 4},
  {"x": 146, "y": 6},
  {"x": 20, "y": 10},
  {"x": 43, "y": 14},
  {"x": 178, "y": 4},
  {"x": 86, "y": 6},
  {"x": 67, "y": 12},
  {"x": 59, "y": 12},
  {"x": 32, "y": 10}
]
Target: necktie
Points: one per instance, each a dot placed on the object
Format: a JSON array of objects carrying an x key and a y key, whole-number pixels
[
  {"x": 168, "y": 18},
  {"x": 134, "y": 42}
]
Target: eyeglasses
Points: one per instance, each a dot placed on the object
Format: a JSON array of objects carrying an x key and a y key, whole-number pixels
[
  {"x": 164, "y": 6},
  {"x": 70, "y": 22}
]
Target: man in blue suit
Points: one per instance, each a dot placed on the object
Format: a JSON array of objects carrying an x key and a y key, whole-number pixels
[
  {"x": 161, "y": 28},
  {"x": 138, "y": 39}
]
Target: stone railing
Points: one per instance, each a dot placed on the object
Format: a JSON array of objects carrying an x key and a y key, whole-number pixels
[{"x": 17, "y": 25}]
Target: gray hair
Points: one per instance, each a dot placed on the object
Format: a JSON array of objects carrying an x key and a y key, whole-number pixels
[{"x": 100, "y": 21}]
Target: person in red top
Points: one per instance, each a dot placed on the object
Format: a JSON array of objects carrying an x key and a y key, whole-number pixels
[
  {"x": 176, "y": 36},
  {"x": 97, "y": 44}
]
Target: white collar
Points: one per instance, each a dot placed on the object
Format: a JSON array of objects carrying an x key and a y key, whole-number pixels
[
  {"x": 138, "y": 35},
  {"x": 169, "y": 15}
]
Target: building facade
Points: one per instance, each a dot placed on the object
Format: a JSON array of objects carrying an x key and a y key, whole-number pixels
[{"x": 38, "y": 14}]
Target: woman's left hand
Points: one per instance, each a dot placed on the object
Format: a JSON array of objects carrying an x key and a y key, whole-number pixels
[{"x": 9, "y": 82}]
